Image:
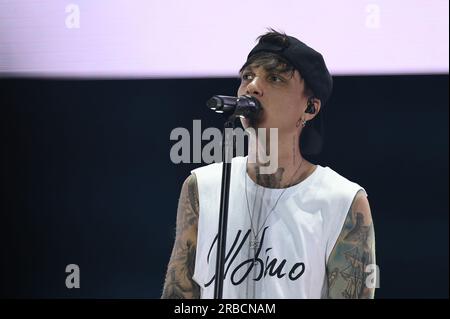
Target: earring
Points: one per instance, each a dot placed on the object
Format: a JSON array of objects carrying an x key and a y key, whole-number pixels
[{"x": 302, "y": 122}]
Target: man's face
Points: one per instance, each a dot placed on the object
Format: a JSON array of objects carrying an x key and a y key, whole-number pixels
[{"x": 280, "y": 94}]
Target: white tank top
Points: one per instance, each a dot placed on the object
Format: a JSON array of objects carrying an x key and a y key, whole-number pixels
[{"x": 296, "y": 237}]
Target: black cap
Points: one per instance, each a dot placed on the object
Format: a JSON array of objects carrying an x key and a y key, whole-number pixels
[{"x": 306, "y": 60}]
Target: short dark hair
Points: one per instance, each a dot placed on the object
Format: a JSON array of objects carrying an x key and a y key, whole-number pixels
[
  {"x": 271, "y": 61},
  {"x": 311, "y": 139}
]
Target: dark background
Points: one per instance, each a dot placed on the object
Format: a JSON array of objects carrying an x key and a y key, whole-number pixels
[{"x": 86, "y": 178}]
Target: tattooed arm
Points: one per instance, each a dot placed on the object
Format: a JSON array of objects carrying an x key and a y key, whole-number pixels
[
  {"x": 353, "y": 251},
  {"x": 179, "y": 283}
]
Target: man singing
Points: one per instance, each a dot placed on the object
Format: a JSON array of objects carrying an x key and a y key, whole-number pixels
[{"x": 302, "y": 231}]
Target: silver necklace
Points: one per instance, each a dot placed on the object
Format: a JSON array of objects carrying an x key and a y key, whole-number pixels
[{"x": 254, "y": 243}]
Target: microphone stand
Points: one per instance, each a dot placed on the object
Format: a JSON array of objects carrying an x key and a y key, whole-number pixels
[
  {"x": 245, "y": 106},
  {"x": 228, "y": 145}
]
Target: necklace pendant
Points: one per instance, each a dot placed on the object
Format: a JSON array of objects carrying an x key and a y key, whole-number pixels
[{"x": 254, "y": 244}]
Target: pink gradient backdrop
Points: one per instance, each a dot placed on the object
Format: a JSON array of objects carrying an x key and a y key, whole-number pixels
[{"x": 200, "y": 38}]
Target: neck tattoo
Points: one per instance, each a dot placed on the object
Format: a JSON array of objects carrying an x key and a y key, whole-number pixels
[{"x": 255, "y": 242}]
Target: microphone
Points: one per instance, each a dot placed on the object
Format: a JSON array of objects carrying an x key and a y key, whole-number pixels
[{"x": 245, "y": 106}]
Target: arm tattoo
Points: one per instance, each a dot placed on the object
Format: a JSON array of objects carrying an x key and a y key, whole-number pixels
[
  {"x": 354, "y": 250},
  {"x": 179, "y": 283}
]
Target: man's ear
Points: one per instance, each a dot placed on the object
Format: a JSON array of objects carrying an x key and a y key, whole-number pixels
[{"x": 312, "y": 108}]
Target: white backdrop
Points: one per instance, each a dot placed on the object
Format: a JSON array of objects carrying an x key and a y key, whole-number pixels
[{"x": 205, "y": 38}]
